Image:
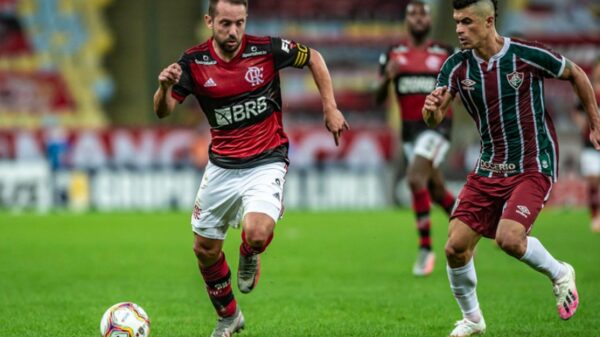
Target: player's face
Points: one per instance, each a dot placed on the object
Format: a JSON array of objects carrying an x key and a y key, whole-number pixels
[
  {"x": 472, "y": 29},
  {"x": 418, "y": 20},
  {"x": 228, "y": 25}
]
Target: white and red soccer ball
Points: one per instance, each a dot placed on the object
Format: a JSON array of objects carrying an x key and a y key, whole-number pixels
[{"x": 125, "y": 319}]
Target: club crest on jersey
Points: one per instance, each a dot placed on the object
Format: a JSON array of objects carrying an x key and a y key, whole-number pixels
[
  {"x": 254, "y": 76},
  {"x": 467, "y": 84},
  {"x": 515, "y": 79}
]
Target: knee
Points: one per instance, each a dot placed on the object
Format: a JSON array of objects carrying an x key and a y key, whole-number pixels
[
  {"x": 416, "y": 181},
  {"x": 257, "y": 236},
  {"x": 512, "y": 244},
  {"x": 455, "y": 250},
  {"x": 205, "y": 254}
]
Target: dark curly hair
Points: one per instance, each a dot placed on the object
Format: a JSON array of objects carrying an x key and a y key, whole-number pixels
[{"x": 460, "y": 4}]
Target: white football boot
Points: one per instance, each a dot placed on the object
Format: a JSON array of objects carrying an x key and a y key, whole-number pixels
[
  {"x": 466, "y": 328},
  {"x": 227, "y": 326}
]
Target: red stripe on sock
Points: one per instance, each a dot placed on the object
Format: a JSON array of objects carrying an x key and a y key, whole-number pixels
[
  {"x": 594, "y": 199},
  {"x": 246, "y": 249},
  {"x": 220, "y": 295},
  {"x": 421, "y": 201}
]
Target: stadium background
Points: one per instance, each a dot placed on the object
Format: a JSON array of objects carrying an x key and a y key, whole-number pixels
[
  {"x": 78, "y": 135},
  {"x": 77, "y": 79}
]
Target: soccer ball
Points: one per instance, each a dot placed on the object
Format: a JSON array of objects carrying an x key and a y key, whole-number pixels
[{"x": 125, "y": 319}]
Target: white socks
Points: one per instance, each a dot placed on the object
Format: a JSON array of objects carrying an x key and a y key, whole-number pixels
[
  {"x": 463, "y": 281},
  {"x": 538, "y": 258}
]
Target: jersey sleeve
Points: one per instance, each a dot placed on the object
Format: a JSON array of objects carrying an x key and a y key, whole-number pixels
[
  {"x": 448, "y": 73},
  {"x": 287, "y": 53},
  {"x": 548, "y": 62},
  {"x": 185, "y": 86}
]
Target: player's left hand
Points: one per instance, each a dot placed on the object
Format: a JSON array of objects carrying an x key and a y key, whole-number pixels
[{"x": 335, "y": 123}]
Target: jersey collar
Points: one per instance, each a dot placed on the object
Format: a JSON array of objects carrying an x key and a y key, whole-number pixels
[{"x": 494, "y": 58}]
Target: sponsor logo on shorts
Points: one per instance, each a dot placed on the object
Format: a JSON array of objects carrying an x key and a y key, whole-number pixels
[
  {"x": 498, "y": 167},
  {"x": 523, "y": 211},
  {"x": 196, "y": 212}
]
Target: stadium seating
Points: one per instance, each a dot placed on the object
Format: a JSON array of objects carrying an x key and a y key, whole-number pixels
[{"x": 65, "y": 40}]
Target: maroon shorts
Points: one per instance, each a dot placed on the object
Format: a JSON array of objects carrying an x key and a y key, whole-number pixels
[{"x": 484, "y": 201}]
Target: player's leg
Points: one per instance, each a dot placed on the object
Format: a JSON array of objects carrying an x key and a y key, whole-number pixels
[
  {"x": 418, "y": 174},
  {"x": 594, "y": 201},
  {"x": 429, "y": 151},
  {"x": 263, "y": 206},
  {"x": 439, "y": 192},
  {"x": 463, "y": 279},
  {"x": 590, "y": 169},
  {"x": 215, "y": 207},
  {"x": 256, "y": 236},
  {"x": 520, "y": 212}
]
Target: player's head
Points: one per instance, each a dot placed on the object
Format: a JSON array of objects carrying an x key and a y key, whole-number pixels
[
  {"x": 418, "y": 19},
  {"x": 475, "y": 21},
  {"x": 227, "y": 20}
]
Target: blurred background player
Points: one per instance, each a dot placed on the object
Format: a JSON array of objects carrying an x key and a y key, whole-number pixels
[
  {"x": 590, "y": 158},
  {"x": 235, "y": 79},
  {"x": 500, "y": 81},
  {"x": 413, "y": 65}
]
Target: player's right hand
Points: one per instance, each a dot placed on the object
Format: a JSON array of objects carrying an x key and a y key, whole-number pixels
[
  {"x": 170, "y": 75},
  {"x": 431, "y": 107}
]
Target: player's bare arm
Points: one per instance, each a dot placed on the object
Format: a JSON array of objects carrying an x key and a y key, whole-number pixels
[
  {"x": 584, "y": 90},
  {"x": 382, "y": 89},
  {"x": 164, "y": 103},
  {"x": 436, "y": 105},
  {"x": 334, "y": 119}
]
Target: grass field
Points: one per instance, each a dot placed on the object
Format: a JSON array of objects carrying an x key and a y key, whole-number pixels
[{"x": 325, "y": 274}]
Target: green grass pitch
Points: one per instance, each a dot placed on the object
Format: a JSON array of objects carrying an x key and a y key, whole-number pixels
[{"x": 325, "y": 274}]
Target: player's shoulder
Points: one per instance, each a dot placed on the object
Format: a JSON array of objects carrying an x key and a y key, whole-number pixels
[
  {"x": 198, "y": 49},
  {"x": 401, "y": 46},
  {"x": 528, "y": 44},
  {"x": 437, "y": 47},
  {"x": 258, "y": 40},
  {"x": 459, "y": 56}
]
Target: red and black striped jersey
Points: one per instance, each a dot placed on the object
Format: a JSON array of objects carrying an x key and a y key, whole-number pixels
[
  {"x": 415, "y": 78},
  {"x": 242, "y": 98}
]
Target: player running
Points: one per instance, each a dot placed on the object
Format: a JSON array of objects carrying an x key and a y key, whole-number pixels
[
  {"x": 413, "y": 66},
  {"x": 501, "y": 83},
  {"x": 590, "y": 158},
  {"x": 235, "y": 78}
]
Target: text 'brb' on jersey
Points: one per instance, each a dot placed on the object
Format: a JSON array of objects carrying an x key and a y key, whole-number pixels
[
  {"x": 505, "y": 97},
  {"x": 415, "y": 78},
  {"x": 242, "y": 98}
]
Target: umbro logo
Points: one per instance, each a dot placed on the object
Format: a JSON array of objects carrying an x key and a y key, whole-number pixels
[
  {"x": 210, "y": 83},
  {"x": 523, "y": 211},
  {"x": 467, "y": 84}
]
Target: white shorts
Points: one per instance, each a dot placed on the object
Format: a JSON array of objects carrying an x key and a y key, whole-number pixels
[
  {"x": 429, "y": 145},
  {"x": 590, "y": 162},
  {"x": 226, "y": 195}
]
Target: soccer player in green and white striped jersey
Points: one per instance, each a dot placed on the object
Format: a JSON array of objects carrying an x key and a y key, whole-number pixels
[{"x": 501, "y": 83}]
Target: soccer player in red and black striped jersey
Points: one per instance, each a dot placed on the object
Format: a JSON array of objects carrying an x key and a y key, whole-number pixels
[
  {"x": 413, "y": 66},
  {"x": 235, "y": 77},
  {"x": 501, "y": 83}
]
